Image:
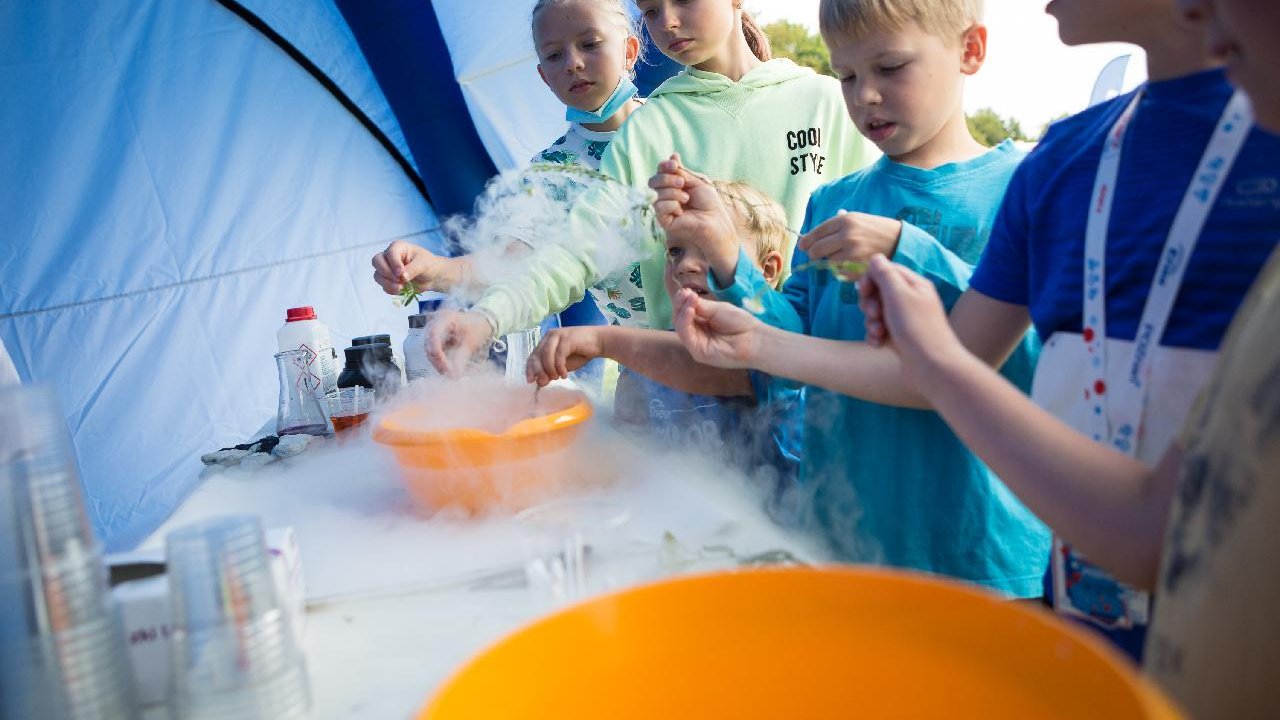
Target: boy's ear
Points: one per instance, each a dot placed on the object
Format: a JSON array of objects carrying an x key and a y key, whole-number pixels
[
  {"x": 632, "y": 47},
  {"x": 771, "y": 267},
  {"x": 543, "y": 76},
  {"x": 974, "y": 46}
]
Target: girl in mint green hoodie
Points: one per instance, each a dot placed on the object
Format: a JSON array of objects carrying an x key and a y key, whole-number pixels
[{"x": 733, "y": 114}]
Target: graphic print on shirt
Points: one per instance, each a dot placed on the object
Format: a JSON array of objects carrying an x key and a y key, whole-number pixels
[
  {"x": 1216, "y": 486},
  {"x": 963, "y": 240},
  {"x": 619, "y": 295},
  {"x": 806, "y": 148}
]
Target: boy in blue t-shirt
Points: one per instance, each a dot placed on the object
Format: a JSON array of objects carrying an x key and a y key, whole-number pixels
[
  {"x": 885, "y": 484},
  {"x": 1033, "y": 269}
]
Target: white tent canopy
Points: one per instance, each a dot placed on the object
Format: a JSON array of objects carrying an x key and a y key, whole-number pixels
[{"x": 175, "y": 181}]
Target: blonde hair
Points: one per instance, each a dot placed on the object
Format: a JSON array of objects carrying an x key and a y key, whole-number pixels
[
  {"x": 763, "y": 217},
  {"x": 947, "y": 19},
  {"x": 617, "y": 10}
]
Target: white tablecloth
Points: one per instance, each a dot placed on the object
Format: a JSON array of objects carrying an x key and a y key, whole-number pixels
[{"x": 398, "y": 601}]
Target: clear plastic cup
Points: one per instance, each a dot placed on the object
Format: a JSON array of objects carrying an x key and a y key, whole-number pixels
[
  {"x": 350, "y": 407},
  {"x": 234, "y": 656},
  {"x": 62, "y": 649}
]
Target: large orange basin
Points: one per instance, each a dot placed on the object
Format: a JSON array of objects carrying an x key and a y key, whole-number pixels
[
  {"x": 799, "y": 643},
  {"x": 478, "y": 470}
]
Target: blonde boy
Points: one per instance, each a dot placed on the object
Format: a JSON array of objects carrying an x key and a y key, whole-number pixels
[
  {"x": 712, "y": 419},
  {"x": 889, "y": 484}
]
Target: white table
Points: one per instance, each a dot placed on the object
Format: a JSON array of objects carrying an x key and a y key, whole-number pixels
[{"x": 398, "y": 601}]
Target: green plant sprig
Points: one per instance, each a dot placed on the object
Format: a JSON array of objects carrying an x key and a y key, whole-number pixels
[{"x": 408, "y": 293}]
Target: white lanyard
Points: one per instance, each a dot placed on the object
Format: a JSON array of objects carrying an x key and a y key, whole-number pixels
[{"x": 1117, "y": 412}]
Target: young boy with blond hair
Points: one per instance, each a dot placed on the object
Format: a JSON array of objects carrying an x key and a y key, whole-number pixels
[
  {"x": 718, "y": 418},
  {"x": 886, "y": 484}
]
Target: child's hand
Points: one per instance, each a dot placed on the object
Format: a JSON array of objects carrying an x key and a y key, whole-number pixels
[
  {"x": 903, "y": 312},
  {"x": 716, "y": 333},
  {"x": 562, "y": 351},
  {"x": 689, "y": 209},
  {"x": 404, "y": 262},
  {"x": 454, "y": 339},
  {"x": 852, "y": 236}
]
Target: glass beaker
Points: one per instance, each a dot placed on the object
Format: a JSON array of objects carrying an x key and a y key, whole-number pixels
[
  {"x": 520, "y": 346},
  {"x": 299, "y": 411},
  {"x": 350, "y": 407}
]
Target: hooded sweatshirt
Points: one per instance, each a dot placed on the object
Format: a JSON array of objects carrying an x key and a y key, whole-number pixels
[{"x": 782, "y": 129}]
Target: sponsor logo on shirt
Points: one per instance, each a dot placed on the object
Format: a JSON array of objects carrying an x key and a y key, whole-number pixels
[{"x": 1252, "y": 193}]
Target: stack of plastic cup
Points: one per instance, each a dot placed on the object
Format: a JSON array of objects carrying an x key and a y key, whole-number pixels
[
  {"x": 62, "y": 650},
  {"x": 234, "y": 656}
]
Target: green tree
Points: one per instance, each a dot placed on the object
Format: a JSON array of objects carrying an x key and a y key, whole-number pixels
[
  {"x": 793, "y": 40},
  {"x": 988, "y": 128}
]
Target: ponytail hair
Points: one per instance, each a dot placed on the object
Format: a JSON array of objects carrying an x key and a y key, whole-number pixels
[{"x": 756, "y": 39}]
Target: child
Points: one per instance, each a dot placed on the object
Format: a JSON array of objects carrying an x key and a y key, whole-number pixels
[
  {"x": 1035, "y": 266},
  {"x": 587, "y": 50},
  {"x": 719, "y": 418},
  {"x": 734, "y": 111},
  {"x": 1214, "y": 636},
  {"x": 888, "y": 478}
]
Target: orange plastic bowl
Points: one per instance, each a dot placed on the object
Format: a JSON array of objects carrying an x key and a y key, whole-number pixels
[
  {"x": 798, "y": 643},
  {"x": 479, "y": 470}
]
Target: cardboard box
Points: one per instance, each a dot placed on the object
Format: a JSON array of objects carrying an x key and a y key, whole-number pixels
[{"x": 141, "y": 588}]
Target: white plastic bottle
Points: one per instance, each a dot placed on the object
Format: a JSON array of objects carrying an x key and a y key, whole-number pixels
[
  {"x": 416, "y": 364},
  {"x": 302, "y": 331}
]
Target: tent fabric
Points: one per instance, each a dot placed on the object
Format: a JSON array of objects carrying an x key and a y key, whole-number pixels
[
  {"x": 402, "y": 41},
  {"x": 319, "y": 31},
  {"x": 175, "y": 183},
  {"x": 515, "y": 114}
]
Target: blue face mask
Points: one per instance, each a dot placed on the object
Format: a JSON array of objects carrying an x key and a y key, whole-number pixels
[{"x": 620, "y": 97}]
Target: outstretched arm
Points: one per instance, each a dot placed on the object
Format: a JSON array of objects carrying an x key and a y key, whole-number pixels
[
  {"x": 404, "y": 262},
  {"x": 725, "y": 336},
  {"x": 656, "y": 354},
  {"x": 1107, "y": 504}
]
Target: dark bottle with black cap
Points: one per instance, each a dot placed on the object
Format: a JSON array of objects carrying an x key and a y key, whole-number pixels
[
  {"x": 370, "y": 365},
  {"x": 380, "y": 339}
]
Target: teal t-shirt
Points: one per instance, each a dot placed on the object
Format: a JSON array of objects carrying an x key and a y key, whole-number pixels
[{"x": 893, "y": 485}]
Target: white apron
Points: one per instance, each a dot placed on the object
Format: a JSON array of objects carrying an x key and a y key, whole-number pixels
[
  {"x": 1096, "y": 384},
  {"x": 1177, "y": 375}
]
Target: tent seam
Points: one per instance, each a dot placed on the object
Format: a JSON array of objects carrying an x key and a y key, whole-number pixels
[{"x": 470, "y": 77}]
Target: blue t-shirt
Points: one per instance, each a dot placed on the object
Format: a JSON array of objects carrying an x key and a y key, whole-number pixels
[
  {"x": 895, "y": 485},
  {"x": 1036, "y": 254}
]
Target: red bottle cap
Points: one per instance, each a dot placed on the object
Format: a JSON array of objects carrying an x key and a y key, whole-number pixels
[{"x": 299, "y": 313}]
